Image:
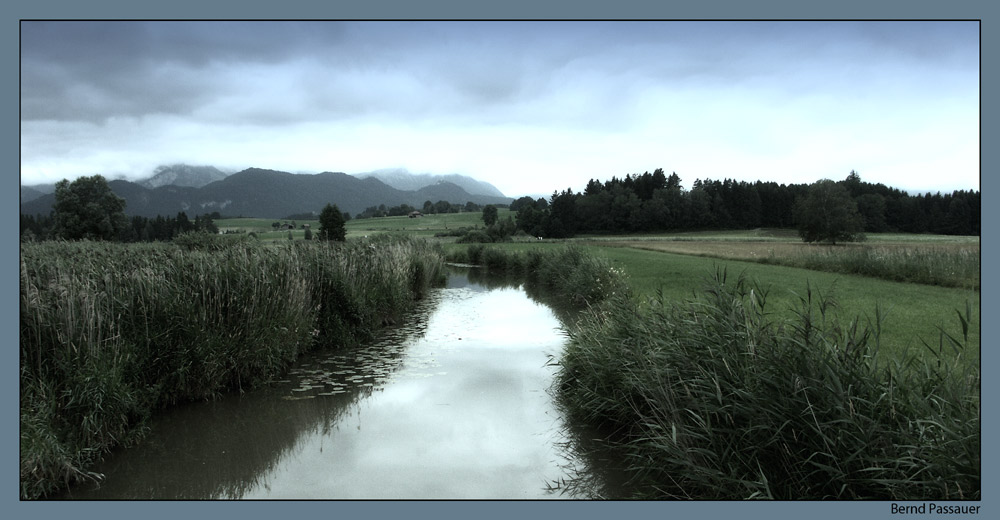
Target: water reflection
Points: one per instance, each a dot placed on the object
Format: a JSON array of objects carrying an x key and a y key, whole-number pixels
[{"x": 455, "y": 404}]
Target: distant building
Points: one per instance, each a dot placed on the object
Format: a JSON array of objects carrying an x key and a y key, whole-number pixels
[{"x": 415, "y": 214}]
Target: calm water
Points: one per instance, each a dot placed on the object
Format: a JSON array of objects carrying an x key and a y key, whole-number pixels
[{"x": 454, "y": 405}]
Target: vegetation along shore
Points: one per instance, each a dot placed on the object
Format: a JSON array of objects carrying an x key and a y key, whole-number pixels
[
  {"x": 112, "y": 332},
  {"x": 717, "y": 396}
]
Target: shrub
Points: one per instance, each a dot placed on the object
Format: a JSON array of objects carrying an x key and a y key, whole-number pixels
[{"x": 475, "y": 236}]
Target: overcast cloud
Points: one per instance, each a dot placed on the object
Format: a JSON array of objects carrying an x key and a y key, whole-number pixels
[{"x": 528, "y": 106}]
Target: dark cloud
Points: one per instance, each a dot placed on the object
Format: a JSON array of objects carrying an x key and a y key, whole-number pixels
[
  {"x": 89, "y": 71},
  {"x": 559, "y": 90},
  {"x": 78, "y": 70}
]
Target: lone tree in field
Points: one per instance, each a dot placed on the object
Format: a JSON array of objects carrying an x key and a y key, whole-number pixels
[
  {"x": 87, "y": 209},
  {"x": 331, "y": 224},
  {"x": 828, "y": 214},
  {"x": 490, "y": 214}
]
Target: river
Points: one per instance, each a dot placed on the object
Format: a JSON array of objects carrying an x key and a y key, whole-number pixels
[{"x": 455, "y": 404}]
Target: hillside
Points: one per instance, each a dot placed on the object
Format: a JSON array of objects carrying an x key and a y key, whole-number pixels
[
  {"x": 183, "y": 175},
  {"x": 402, "y": 179},
  {"x": 30, "y": 193},
  {"x": 256, "y": 192}
]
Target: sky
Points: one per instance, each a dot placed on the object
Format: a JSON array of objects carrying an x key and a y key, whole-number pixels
[{"x": 531, "y": 107}]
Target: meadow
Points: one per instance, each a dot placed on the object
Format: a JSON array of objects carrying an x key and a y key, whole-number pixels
[
  {"x": 426, "y": 226},
  {"x": 715, "y": 395},
  {"x": 849, "y": 372}
]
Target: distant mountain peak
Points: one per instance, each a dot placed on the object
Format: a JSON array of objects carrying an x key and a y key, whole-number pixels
[
  {"x": 403, "y": 179},
  {"x": 183, "y": 175}
]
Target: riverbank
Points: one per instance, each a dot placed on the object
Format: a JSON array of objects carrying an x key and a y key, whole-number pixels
[
  {"x": 109, "y": 333},
  {"x": 716, "y": 396},
  {"x": 451, "y": 403}
]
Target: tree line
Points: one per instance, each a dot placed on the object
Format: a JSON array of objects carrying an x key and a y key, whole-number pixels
[
  {"x": 132, "y": 229},
  {"x": 656, "y": 202},
  {"x": 429, "y": 208},
  {"x": 647, "y": 202}
]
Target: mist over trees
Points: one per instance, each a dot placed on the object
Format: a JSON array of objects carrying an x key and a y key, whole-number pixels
[{"x": 654, "y": 202}]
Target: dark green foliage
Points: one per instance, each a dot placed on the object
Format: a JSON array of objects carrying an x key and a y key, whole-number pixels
[
  {"x": 474, "y": 236},
  {"x": 87, "y": 209},
  {"x": 828, "y": 214},
  {"x": 650, "y": 202},
  {"x": 712, "y": 398},
  {"x": 490, "y": 214},
  {"x": 136, "y": 228},
  {"x": 872, "y": 208},
  {"x": 332, "y": 224}
]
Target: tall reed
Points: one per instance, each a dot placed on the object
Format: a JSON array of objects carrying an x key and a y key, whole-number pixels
[
  {"x": 712, "y": 398},
  {"x": 570, "y": 274},
  {"x": 111, "y": 332},
  {"x": 947, "y": 266}
]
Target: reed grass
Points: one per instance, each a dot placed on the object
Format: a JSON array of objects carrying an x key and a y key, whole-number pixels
[
  {"x": 944, "y": 266},
  {"x": 568, "y": 273},
  {"x": 111, "y": 332},
  {"x": 714, "y": 398}
]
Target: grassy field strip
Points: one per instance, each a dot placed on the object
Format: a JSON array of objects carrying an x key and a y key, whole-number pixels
[
  {"x": 913, "y": 311},
  {"x": 425, "y": 226},
  {"x": 950, "y": 264}
]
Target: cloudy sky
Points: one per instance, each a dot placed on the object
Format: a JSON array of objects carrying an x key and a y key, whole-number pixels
[{"x": 528, "y": 106}]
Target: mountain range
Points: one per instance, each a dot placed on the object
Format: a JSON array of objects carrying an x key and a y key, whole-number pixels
[
  {"x": 183, "y": 175},
  {"x": 262, "y": 193},
  {"x": 402, "y": 179}
]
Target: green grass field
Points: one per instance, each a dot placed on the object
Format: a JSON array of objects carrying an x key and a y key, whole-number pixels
[
  {"x": 912, "y": 311},
  {"x": 426, "y": 226}
]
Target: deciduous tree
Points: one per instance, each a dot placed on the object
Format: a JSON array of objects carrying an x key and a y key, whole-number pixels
[
  {"x": 490, "y": 214},
  {"x": 87, "y": 209},
  {"x": 828, "y": 214}
]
